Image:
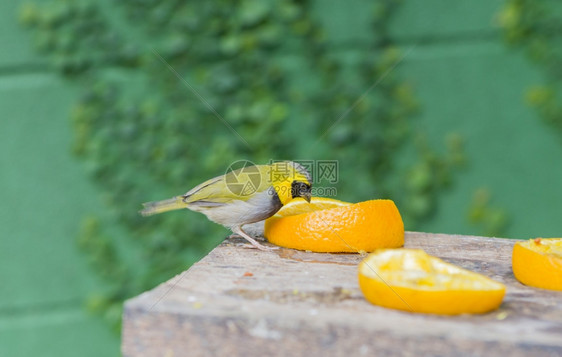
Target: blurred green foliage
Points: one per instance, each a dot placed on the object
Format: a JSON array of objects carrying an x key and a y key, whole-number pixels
[
  {"x": 492, "y": 220},
  {"x": 534, "y": 26},
  {"x": 268, "y": 69}
]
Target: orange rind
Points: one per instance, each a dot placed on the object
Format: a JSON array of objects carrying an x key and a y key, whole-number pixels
[
  {"x": 330, "y": 226},
  {"x": 412, "y": 280},
  {"x": 538, "y": 263}
]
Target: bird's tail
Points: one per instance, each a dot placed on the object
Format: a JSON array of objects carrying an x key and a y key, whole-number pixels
[{"x": 156, "y": 207}]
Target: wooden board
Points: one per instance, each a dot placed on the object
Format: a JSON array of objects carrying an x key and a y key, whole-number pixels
[{"x": 242, "y": 302}]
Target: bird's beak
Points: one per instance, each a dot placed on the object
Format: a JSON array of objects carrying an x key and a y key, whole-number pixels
[{"x": 307, "y": 196}]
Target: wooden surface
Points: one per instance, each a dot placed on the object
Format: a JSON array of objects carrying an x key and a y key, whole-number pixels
[{"x": 242, "y": 302}]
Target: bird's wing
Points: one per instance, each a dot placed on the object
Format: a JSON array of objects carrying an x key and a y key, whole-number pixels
[{"x": 235, "y": 185}]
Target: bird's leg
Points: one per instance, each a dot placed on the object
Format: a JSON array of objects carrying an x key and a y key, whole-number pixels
[{"x": 255, "y": 244}]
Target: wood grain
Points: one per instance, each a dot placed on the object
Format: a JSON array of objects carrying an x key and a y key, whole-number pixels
[{"x": 243, "y": 302}]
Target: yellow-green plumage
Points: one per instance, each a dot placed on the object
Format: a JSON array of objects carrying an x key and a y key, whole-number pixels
[
  {"x": 243, "y": 196},
  {"x": 156, "y": 207}
]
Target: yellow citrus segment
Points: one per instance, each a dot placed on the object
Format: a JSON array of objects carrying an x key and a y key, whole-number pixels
[
  {"x": 332, "y": 226},
  {"x": 412, "y": 280},
  {"x": 299, "y": 206},
  {"x": 538, "y": 262}
]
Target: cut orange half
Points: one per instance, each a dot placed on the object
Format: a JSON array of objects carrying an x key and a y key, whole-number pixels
[
  {"x": 330, "y": 226},
  {"x": 412, "y": 280},
  {"x": 538, "y": 262}
]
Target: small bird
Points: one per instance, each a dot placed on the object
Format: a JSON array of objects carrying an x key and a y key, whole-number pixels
[{"x": 246, "y": 195}]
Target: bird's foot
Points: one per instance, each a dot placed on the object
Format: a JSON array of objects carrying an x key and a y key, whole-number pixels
[
  {"x": 253, "y": 243},
  {"x": 236, "y": 235},
  {"x": 260, "y": 247}
]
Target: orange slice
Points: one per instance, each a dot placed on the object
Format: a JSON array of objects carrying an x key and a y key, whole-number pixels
[
  {"x": 327, "y": 225},
  {"x": 299, "y": 205},
  {"x": 538, "y": 262},
  {"x": 412, "y": 280}
]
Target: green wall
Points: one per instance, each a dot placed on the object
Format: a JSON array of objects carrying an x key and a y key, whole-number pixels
[
  {"x": 44, "y": 279},
  {"x": 466, "y": 81}
]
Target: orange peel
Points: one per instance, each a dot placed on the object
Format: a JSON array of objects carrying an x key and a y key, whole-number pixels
[
  {"x": 412, "y": 280},
  {"x": 331, "y": 226},
  {"x": 538, "y": 263}
]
